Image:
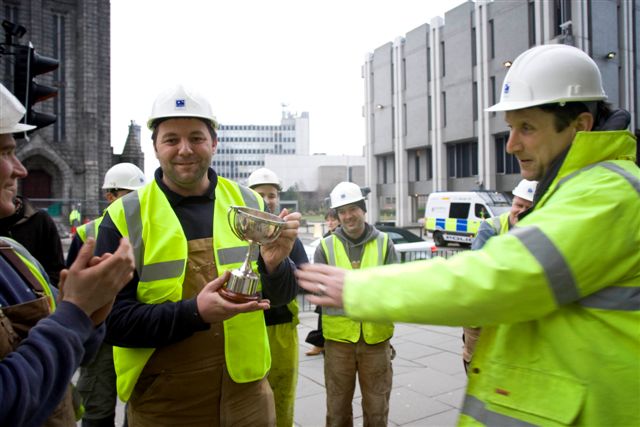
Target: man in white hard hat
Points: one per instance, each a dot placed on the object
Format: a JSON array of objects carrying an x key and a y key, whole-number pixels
[
  {"x": 522, "y": 201},
  {"x": 44, "y": 336},
  {"x": 354, "y": 348},
  {"x": 558, "y": 296},
  {"x": 183, "y": 354},
  {"x": 281, "y": 321},
  {"x": 97, "y": 381}
]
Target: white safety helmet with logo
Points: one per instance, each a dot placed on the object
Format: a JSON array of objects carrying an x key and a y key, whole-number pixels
[
  {"x": 525, "y": 189},
  {"x": 181, "y": 102},
  {"x": 540, "y": 76},
  {"x": 264, "y": 176},
  {"x": 123, "y": 176},
  {"x": 12, "y": 111},
  {"x": 345, "y": 193}
]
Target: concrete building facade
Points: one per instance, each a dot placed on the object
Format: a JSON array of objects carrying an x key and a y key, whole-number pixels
[
  {"x": 67, "y": 160},
  {"x": 426, "y": 92},
  {"x": 243, "y": 148}
]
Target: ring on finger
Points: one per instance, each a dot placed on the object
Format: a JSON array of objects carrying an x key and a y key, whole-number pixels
[{"x": 322, "y": 289}]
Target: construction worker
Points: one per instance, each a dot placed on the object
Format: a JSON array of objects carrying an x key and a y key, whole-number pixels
[
  {"x": 97, "y": 381},
  {"x": 44, "y": 338},
  {"x": 281, "y": 321},
  {"x": 74, "y": 218},
  {"x": 558, "y": 295},
  {"x": 183, "y": 354},
  {"x": 351, "y": 347},
  {"x": 522, "y": 201}
]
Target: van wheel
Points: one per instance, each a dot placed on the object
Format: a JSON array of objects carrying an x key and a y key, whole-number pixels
[{"x": 438, "y": 239}]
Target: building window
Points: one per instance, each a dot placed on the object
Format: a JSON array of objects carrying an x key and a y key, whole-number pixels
[
  {"x": 462, "y": 159},
  {"x": 428, "y": 64},
  {"x": 444, "y": 109},
  {"x": 492, "y": 84},
  {"x": 442, "y": 58},
  {"x": 384, "y": 170},
  {"x": 59, "y": 52},
  {"x": 474, "y": 100},
  {"x": 532, "y": 22},
  {"x": 393, "y": 75},
  {"x": 428, "y": 162},
  {"x": 393, "y": 122},
  {"x": 417, "y": 165},
  {"x": 404, "y": 74},
  {"x": 429, "y": 111},
  {"x": 404, "y": 119},
  {"x": 505, "y": 163},
  {"x": 492, "y": 44},
  {"x": 11, "y": 13},
  {"x": 562, "y": 11},
  {"x": 474, "y": 60}
]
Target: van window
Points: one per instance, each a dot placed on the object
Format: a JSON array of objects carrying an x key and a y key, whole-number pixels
[
  {"x": 481, "y": 211},
  {"x": 459, "y": 210}
]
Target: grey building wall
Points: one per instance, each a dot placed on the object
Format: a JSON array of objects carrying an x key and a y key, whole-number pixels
[
  {"x": 70, "y": 157},
  {"x": 425, "y": 93}
]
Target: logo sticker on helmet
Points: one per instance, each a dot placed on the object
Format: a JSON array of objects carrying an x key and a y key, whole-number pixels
[
  {"x": 180, "y": 103},
  {"x": 506, "y": 88}
]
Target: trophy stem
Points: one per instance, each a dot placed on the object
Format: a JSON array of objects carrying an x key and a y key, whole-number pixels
[
  {"x": 246, "y": 265},
  {"x": 243, "y": 283}
]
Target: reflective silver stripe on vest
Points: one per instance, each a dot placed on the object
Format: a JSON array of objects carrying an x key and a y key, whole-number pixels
[
  {"x": 614, "y": 298},
  {"x": 635, "y": 183},
  {"x": 331, "y": 254},
  {"x": 380, "y": 241},
  {"x": 236, "y": 254},
  {"x": 249, "y": 197},
  {"x": 90, "y": 229},
  {"x": 331, "y": 260},
  {"x": 476, "y": 409},
  {"x": 22, "y": 251},
  {"x": 150, "y": 272},
  {"x": 557, "y": 270}
]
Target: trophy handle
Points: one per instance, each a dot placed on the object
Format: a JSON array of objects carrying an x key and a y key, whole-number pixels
[{"x": 231, "y": 221}]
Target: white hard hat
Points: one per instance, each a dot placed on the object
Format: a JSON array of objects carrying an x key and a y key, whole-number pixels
[
  {"x": 525, "y": 189},
  {"x": 11, "y": 111},
  {"x": 547, "y": 74},
  {"x": 264, "y": 176},
  {"x": 345, "y": 193},
  {"x": 123, "y": 176},
  {"x": 179, "y": 101}
]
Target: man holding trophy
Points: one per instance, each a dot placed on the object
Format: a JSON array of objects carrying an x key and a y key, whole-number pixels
[{"x": 190, "y": 348}]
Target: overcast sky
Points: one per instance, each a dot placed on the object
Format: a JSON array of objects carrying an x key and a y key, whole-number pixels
[{"x": 250, "y": 56}]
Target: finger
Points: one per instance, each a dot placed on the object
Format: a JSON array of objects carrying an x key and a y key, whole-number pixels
[
  {"x": 84, "y": 255},
  {"x": 324, "y": 301},
  {"x": 217, "y": 283},
  {"x": 283, "y": 213},
  {"x": 96, "y": 260}
]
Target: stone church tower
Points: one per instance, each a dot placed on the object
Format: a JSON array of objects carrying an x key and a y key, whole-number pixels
[{"x": 67, "y": 160}]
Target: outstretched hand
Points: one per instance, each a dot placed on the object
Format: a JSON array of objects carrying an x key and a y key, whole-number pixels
[
  {"x": 92, "y": 283},
  {"x": 275, "y": 252},
  {"x": 325, "y": 282},
  {"x": 212, "y": 307}
]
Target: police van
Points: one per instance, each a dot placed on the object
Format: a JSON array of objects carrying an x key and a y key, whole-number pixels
[{"x": 455, "y": 216}]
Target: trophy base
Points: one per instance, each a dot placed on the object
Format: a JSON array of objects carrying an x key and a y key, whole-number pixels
[{"x": 236, "y": 297}]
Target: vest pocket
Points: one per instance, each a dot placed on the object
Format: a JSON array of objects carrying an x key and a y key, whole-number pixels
[{"x": 542, "y": 394}]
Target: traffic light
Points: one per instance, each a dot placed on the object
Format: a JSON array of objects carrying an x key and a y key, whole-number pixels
[{"x": 29, "y": 65}]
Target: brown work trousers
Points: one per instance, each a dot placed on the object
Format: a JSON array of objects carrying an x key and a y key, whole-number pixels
[
  {"x": 187, "y": 383},
  {"x": 372, "y": 364}
]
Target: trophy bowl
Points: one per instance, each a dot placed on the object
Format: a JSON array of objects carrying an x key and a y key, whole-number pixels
[{"x": 258, "y": 228}]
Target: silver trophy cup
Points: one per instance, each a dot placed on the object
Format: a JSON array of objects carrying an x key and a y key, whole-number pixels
[{"x": 258, "y": 228}]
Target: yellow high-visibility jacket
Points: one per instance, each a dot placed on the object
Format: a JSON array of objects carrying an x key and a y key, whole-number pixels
[{"x": 558, "y": 298}]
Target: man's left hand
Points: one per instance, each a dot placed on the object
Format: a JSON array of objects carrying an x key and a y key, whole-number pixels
[{"x": 275, "y": 252}]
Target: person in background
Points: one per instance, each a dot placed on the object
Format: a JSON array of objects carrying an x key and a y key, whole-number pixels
[
  {"x": 354, "y": 348},
  {"x": 97, "y": 381},
  {"x": 45, "y": 335},
  {"x": 558, "y": 296},
  {"x": 75, "y": 218},
  {"x": 522, "y": 201},
  {"x": 36, "y": 231},
  {"x": 315, "y": 337},
  {"x": 185, "y": 355},
  {"x": 281, "y": 321}
]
